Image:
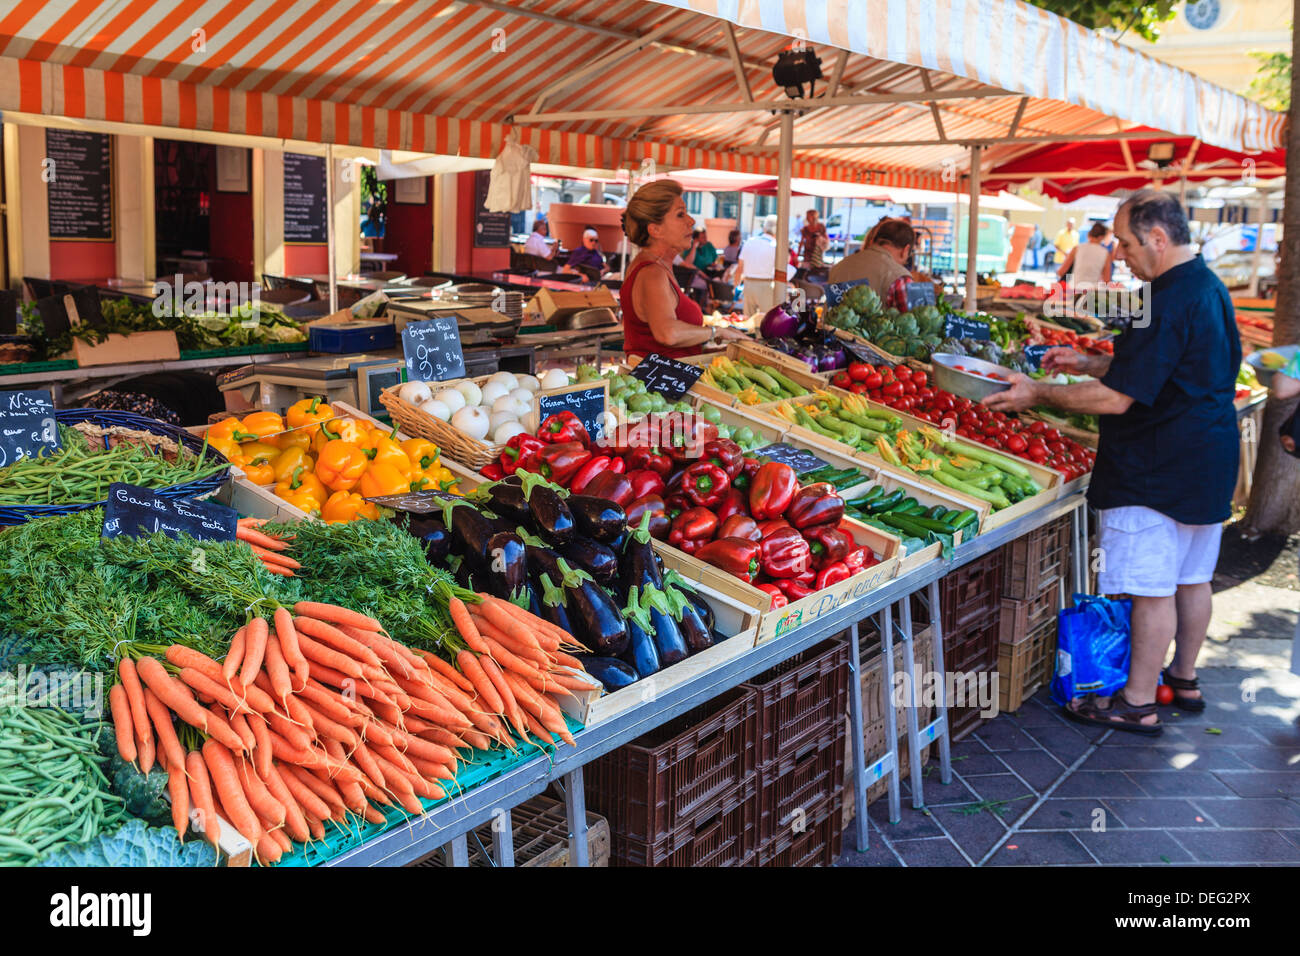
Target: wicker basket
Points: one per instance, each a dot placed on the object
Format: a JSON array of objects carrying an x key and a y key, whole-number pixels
[
  {"x": 111, "y": 428},
  {"x": 471, "y": 452}
]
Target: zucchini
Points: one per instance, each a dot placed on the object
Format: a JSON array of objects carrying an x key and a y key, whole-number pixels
[{"x": 963, "y": 518}]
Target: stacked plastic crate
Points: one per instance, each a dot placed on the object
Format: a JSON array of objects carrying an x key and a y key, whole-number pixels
[{"x": 1033, "y": 574}]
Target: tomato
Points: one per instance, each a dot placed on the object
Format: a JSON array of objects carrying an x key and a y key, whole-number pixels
[
  {"x": 968, "y": 418},
  {"x": 991, "y": 428},
  {"x": 1016, "y": 444},
  {"x": 1037, "y": 452},
  {"x": 964, "y": 431},
  {"x": 1051, "y": 434},
  {"x": 909, "y": 388},
  {"x": 841, "y": 379},
  {"x": 1056, "y": 448},
  {"x": 902, "y": 373},
  {"x": 858, "y": 371},
  {"x": 1038, "y": 427},
  {"x": 960, "y": 368},
  {"x": 873, "y": 380},
  {"x": 919, "y": 378},
  {"x": 858, "y": 388},
  {"x": 893, "y": 389}
]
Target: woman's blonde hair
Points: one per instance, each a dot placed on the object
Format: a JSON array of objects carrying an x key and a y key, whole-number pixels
[{"x": 650, "y": 204}]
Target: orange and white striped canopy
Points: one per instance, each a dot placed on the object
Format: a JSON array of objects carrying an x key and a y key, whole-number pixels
[{"x": 445, "y": 76}]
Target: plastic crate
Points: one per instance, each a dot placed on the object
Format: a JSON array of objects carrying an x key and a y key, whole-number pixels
[
  {"x": 973, "y": 657},
  {"x": 541, "y": 837},
  {"x": 1025, "y": 666},
  {"x": 659, "y": 784},
  {"x": 818, "y": 843},
  {"x": 352, "y": 337},
  {"x": 1021, "y": 618},
  {"x": 24, "y": 368},
  {"x": 799, "y": 780},
  {"x": 798, "y": 698},
  {"x": 969, "y": 596},
  {"x": 972, "y": 649},
  {"x": 725, "y": 834},
  {"x": 1035, "y": 562}
]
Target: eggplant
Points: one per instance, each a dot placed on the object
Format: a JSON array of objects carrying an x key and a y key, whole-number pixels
[
  {"x": 697, "y": 636},
  {"x": 508, "y": 565},
  {"x": 598, "y": 560},
  {"x": 598, "y": 518},
  {"x": 551, "y": 601},
  {"x": 701, "y": 608},
  {"x": 668, "y": 637},
  {"x": 612, "y": 673},
  {"x": 507, "y": 498},
  {"x": 550, "y": 515},
  {"x": 641, "y": 652},
  {"x": 640, "y": 567},
  {"x": 470, "y": 530},
  {"x": 433, "y": 537},
  {"x": 597, "y": 622}
]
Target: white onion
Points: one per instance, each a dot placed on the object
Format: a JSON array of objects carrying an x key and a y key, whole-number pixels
[
  {"x": 497, "y": 419},
  {"x": 453, "y": 399},
  {"x": 415, "y": 393},
  {"x": 472, "y": 420},
  {"x": 529, "y": 382},
  {"x": 491, "y": 392},
  {"x": 555, "y": 378},
  {"x": 505, "y": 404},
  {"x": 522, "y": 395},
  {"x": 437, "y": 409},
  {"x": 508, "y": 431},
  {"x": 523, "y": 409},
  {"x": 504, "y": 378},
  {"x": 471, "y": 392}
]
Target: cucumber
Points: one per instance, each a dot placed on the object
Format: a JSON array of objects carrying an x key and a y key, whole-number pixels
[
  {"x": 787, "y": 383},
  {"x": 963, "y": 518},
  {"x": 888, "y": 502}
]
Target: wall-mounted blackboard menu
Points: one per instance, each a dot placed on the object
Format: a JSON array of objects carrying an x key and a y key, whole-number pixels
[
  {"x": 491, "y": 229},
  {"x": 304, "y": 198},
  {"x": 79, "y": 174}
]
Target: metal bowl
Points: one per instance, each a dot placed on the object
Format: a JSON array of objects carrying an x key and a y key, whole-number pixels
[
  {"x": 974, "y": 387},
  {"x": 1264, "y": 373}
]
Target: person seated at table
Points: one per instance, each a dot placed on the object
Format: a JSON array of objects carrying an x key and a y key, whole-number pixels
[
  {"x": 657, "y": 315},
  {"x": 538, "y": 244},
  {"x": 587, "y": 258}
]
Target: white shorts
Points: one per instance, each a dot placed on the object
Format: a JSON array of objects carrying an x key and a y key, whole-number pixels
[{"x": 1149, "y": 554}]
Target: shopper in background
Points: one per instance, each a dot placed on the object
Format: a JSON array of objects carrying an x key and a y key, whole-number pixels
[
  {"x": 731, "y": 252},
  {"x": 537, "y": 244},
  {"x": 657, "y": 315},
  {"x": 757, "y": 268},
  {"x": 1167, "y": 460},
  {"x": 1066, "y": 239},
  {"x": 882, "y": 262},
  {"x": 813, "y": 241},
  {"x": 1090, "y": 262},
  {"x": 587, "y": 256}
]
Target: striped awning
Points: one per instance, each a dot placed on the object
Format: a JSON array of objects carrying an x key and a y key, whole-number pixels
[{"x": 446, "y": 76}]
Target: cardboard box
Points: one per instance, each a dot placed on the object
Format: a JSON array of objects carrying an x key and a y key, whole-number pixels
[
  {"x": 558, "y": 303},
  {"x": 159, "y": 346}
]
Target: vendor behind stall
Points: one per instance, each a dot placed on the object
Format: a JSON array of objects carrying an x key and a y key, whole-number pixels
[
  {"x": 882, "y": 261},
  {"x": 1167, "y": 459},
  {"x": 657, "y": 315}
]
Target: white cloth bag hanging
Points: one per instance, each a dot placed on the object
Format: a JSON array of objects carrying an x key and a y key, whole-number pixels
[{"x": 510, "y": 183}]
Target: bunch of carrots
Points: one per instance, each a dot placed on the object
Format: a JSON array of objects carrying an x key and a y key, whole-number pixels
[
  {"x": 318, "y": 715},
  {"x": 267, "y": 547}
]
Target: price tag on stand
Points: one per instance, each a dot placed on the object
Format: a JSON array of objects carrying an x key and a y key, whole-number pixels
[
  {"x": 415, "y": 502},
  {"x": 432, "y": 350},
  {"x": 27, "y": 425},
  {"x": 919, "y": 294},
  {"x": 836, "y": 290},
  {"x": 134, "y": 512},
  {"x": 1034, "y": 354},
  {"x": 801, "y": 461},
  {"x": 668, "y": 377},
  {"x": 589, "y": 404},
  {"x": 961, "y": 327}
]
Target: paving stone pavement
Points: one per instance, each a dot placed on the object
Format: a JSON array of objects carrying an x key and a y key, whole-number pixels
[{"x": 1034, "y": 789}]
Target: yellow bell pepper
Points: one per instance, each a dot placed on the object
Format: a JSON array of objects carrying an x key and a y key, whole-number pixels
[
  {"x": 228, "y": 447},
  {"x": 259, "y": 472},
  {"x": 356, "y": 432},
  {"x": 422, "y": 453},
  {"x": 383, "y": 479},
  {"x": 228, "y": 429},
  {"x": 347, "y": 506},
  {"x": 437, "y": 478},
  {"x": 265, "y": 425},
  {"x": 258, "y": 451},
  {"x": 290, "y": 459},
  {"x": 309, "y": 411},
  {"x": 303, "y": 490},
  {"x": 300, "y": 438},
  {"x": 321, "y": 434},
  {"x": 389, "y": 452},
  {"x": 341, "y": 465}
]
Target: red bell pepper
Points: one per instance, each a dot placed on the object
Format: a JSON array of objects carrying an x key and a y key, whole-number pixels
[
  {"x": 828, "y": 543},
  {"x": 611, "y": 486},
  {"x": 736, "y": 556},
  {"x": 733, "y": 503},
  {"x": 617, "y": 465},
  {"x": 785, "y": 554},
  {"x": 748, "y": 469},
  {"x": 726, "y": 454},
  {"x": 815, "y": 504},
  {"x": 687, "y": 442},
  {"x": 564, "y": 427},
  {"x": 705, "y": 484},
  {"x": 859, "y": 558},
  {"x": 560, "y": 462},
  {"x": 521, "y": 452},
  {"x": 766, "y": 528},
  {"x": 694, "y": 524},
  {"x": 676, "y": 504},
  {"x": 660, "y": 523},
  {"x": 593, "y": 467},
  {"x": 739, "y": 526},
  {"x": 645, "y": 482},
  {"x": 772, "y": 490},
  {"x": 792, "y": 589},
  {"x": 778, "y": 599},
  {"x": 492, "y": 471},
  {"x": 649, "y": 458},
  {"x": 832, "y": 573}
]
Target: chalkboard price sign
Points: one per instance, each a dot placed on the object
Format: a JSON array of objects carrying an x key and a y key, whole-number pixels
[
  {"x": 304, "y": 198},
  {"x": 588, "y": 404},
  {"x": 80, "y": 185},
  {"x": 963, "y": 327},
  {"x": 670, "y": 378},
  {"x": 919, "y": 294},
  {"x": 415, "y": 502},
  {"x": 1034, "y": 354},
  {"x": 491, "y": 229},
  {"x": 134, "y": 512},
  {"x": 27, "y": 426},
  {"x": 432, "y": 350},
  {"x": 801, "y": 461},
  {"x": 836, "y": 290}
]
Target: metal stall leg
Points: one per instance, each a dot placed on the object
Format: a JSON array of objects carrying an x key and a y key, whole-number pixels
[
  {"x": 937, "y": 729},
  {"x": 910, "y": 701},
  {"x": 575, "y": 805},
  {"x": 1076, "y": 531},
  {"x": 456, "y": 853},
  {"x": 891, "y": 718},
  {"x": 503, "y": 839},
  {"x": 859, "y": 747}
]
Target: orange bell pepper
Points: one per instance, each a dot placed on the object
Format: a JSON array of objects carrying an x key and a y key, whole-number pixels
[
  {"x": 309, "y": 411},
  {"x": 228, "y": 429},
  {"x": 265, "y": 425},
  {"x": 290, "y": 459},
  {"x": 341, "y": 465},
  {"x": 227, "y": 447},
  {"x": 347, "y": 506},
  {"x": 303, "y": 490},
  {"x": 259, "y": 472},
  {"x": 382, "y": 478},
  {"x": 356, "y": 432},
  {"x": 259, "y": 451},
  {"x": 300, "y": 438},
  {"x": 389, "y": 452}
]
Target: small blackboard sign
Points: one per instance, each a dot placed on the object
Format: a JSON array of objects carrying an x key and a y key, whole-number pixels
[
  {"x": 835, "y": 290},
  {"x": 587, "y": 403},
  {"x": 668, "y": 377},
  {"x": 432, "y": 350},
  {"x": 135, "y": 512},
  {"x": 304, "y": 199},
  {"x": 415, "y": 502},
  {"x": 27, "y": 426},
  {"x": 491, "y": 229},
  {"x": 54, "y": 315},
  {"x": 919, "y": 294},
  {"x": 80, "y": 195},
  {"x": 1034, "y": 354},
  {"x": 82, "y": 305},
  {"x": 964, "y": 327},
  {"x": 801, "y": 461}
]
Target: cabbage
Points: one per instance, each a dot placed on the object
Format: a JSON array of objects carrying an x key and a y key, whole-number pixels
[{"x": 135, "y": 844}]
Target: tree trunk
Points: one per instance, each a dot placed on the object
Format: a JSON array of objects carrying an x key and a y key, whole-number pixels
[{"x": 1275, "y": 496}]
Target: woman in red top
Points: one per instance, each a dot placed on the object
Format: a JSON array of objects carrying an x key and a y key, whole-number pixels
[{"x": 657, "y": 316}]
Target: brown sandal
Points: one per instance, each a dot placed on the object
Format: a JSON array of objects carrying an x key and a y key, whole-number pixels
[
  {"x": 1129, "y": 715},
  {"x": 1193, "y": 705}
]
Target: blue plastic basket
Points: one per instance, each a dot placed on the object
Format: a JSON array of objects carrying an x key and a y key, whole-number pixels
[{"x": 18, "y": 514}]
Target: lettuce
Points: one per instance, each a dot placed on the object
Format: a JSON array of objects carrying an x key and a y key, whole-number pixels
[{"x": 136, "y": 844}]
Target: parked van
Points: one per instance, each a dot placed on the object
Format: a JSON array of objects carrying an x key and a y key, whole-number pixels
[
  {"x": 850, "y": 223},
  {"x": 991, "y": 251}
]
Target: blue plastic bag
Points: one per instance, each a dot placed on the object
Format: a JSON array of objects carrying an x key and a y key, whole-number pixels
[{"x": 1092, "y": 648}]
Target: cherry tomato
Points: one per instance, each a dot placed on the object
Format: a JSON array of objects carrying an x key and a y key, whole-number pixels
[
  {"x": 909, "y": 388},
  {"x": 1037, "y": 452},
  {"x": 1038, "y": 427},
  {"x": 902, "y": 373},
  {"x": 1016, "y": 444},
  {"x": 841, "y": 379},
  {"x": 919, "y": 378}
]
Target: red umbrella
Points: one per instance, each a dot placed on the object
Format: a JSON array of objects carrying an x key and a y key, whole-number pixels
[{"x": 768, "y": 188}]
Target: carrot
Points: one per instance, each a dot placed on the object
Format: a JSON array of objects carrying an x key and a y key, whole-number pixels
[
  {"x": 549, "y": 637},
  {"x": 183, "y": 656},
  {"x": 295, "y": 824},
  {"x": 323, "y": 788},
  {"x": 372, "y": 815},
  {"x": 465, "y": 625},
  {"x": 146, "y": 751},
  {"x": 477, "y": 740},
  {"x": 289, "y": 649},
  {"x": 277, "y": 569},
  {"x": 262, "y": 744},
  {"x": 165, "y": 732},
  {"x": 438, "y": 735},
  {"x": 274, "y": 557},
  {"x": 247, "y": 534},
  {"x": 507, "y": 659},
  {"x": 328, "y": 729},
  {"x": 566, "y": 660},
  {"x": 431, "y": 771},
  {"x": 177, "y": 696},
  {"x": 442, "y": 714},
  {"x": 331, "y": 636},
  {"x": 305, "y": 795},
  {"x": 335, "y": 680},
  {"x": 334, "y": 614},
  {"x": 235, "y": 656},
  {"x": 366, "y": 761},
  {"x": 179, "y": 789},
  {"x": 254, "y": 650},
  {"x": 222, "y": 695},
  {"x": 472, "y": 668},
  {"x": 225, "y": 781},
  {"x": 130, "y": 682},
  {"x": 415, "y": 747},
  {"x": 320, "y": 653},
  {"x": 329, "y": 703},
  {"x": 253, "y": 522},
  {"x": 387, "y": 712},
  {"x": 205, "y": 814},
  {"x": 373, "y": 730},
  {"x": 291, "y": 734},
  {"x": 491, "y": 611},
  {"x": 495, "y": 637},
  {"x": 277, "y": 670},
  {"x": 504, "y": 688},
  {"x": 440, "y": 666},
  {"x": 540, "y": 707},
  {"x": 269, "y": 810},
  {"x": 123, "y": 727},
  {"x": 268, "y": 850},
  {"x": 240, "y": 726},
  {"x": 386, "y": 649},
  {"x": 315, "y": 826}
]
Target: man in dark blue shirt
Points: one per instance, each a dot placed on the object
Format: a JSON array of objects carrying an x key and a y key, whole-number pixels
[{"x": 1167, "y": 458}]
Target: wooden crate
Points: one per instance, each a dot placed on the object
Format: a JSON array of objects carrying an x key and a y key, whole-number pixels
[{"x": 541, "y": 837}]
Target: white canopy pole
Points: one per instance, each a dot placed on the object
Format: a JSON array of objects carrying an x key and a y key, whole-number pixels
[
  {"x": 972, "y": 226},
  {"x": 329, "y": 227},
  {"x": 783, "y": 205}
]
